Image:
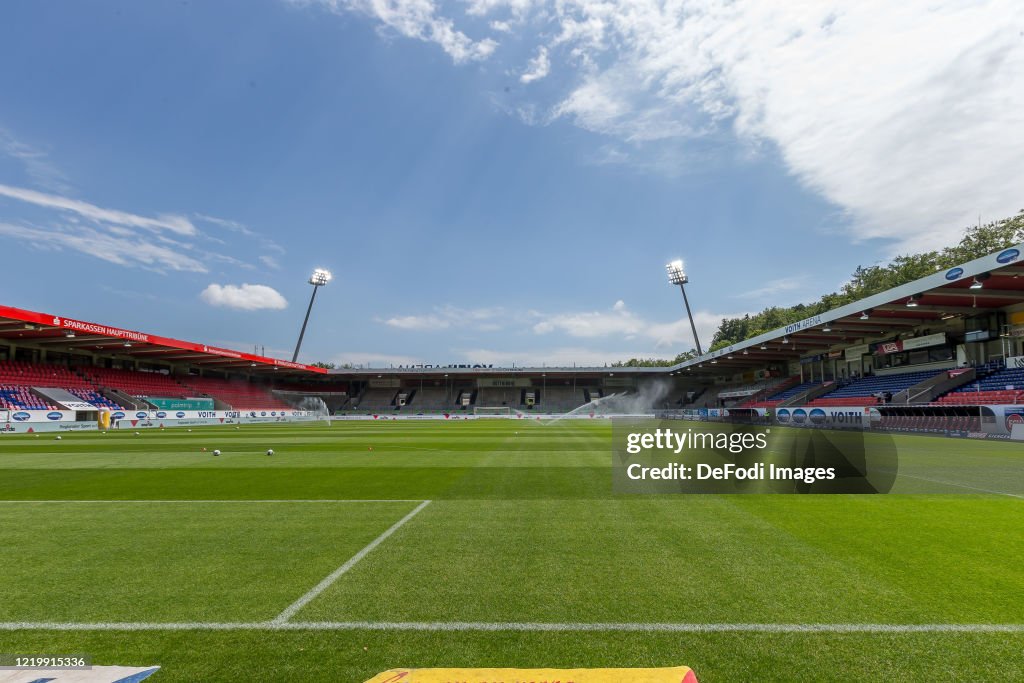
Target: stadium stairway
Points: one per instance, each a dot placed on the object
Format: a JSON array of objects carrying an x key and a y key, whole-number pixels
[
  {"x": 764, "y": 397},
  {"x": 996, "y": 386},
  {"x": 862, "y": 391}
]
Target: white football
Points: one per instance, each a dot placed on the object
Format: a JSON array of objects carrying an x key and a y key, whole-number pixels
[
  {"x": 58, "y": 438},
  {"x": 270, "y": 451},
  {"x": 216, "y": 452}
]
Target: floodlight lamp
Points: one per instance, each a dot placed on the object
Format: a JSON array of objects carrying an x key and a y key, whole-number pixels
[
  {"x": 977, "y": 284},
  {"x": 912, "y": 301},
  {"x": 70, "y": 334},
  {"x": 127, "y": 344},
  {"x": 864, "y": 315},
  {"x": 676, "y": 275},
  {"x": 320, "y": 277},
  {"x": 745, "y": 352},
  {"x": 764, "y": 347},
  {"x": 826, "y": 328},
  {"x": 785, "y": 340}
]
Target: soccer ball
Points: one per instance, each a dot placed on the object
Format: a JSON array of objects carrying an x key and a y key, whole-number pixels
[
  {"x": 59, "y": 438},
  {"x": 216, "y": 452},
  {"x": 270, "y": 451}
]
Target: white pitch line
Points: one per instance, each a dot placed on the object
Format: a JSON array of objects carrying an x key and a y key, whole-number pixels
[
  {"x": 292, "y": 609},
  {"x": 539, "y": 627},
  {"x": 276, "y": 500},
  {"x": 660, "y": 627},
  {"x": 963, "y": 486}
]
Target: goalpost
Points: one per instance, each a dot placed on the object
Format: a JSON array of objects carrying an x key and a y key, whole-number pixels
[{"x": 491, "y": 411}]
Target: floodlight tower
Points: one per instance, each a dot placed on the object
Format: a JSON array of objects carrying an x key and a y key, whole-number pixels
[
  {"x": 676, "y": 276},
  {"x": 318, "y": 279}
]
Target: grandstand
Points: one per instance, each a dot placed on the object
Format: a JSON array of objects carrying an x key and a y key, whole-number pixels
[
  {"x": 95, "y": 397},
  {"x": 1005, "y": 385},
  {"x": 560, "y": 399},
  {"x": 237, "y": 394},
  {"x": 782, "y": 396},
  {"x": 137, "y": 384},
  {"x": 499, "y": 397},
  {"x": 431, "y": 399},
  {"x": 951, "y": 340},
  {"x": 377, "y": 398},
  {"x": 22, "y": 398},
  {"x": 872, "y": 389}
]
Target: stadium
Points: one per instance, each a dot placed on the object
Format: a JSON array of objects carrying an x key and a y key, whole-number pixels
[
  {"x": 465, "y": 516},
  {"x": 942, "y": 354},
  {"x": 511, "y": 341}
]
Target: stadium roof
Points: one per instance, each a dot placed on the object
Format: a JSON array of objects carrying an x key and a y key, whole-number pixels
[
  {"x": 478, "y": 371},
  {"x": 937, "y": 299},
  {"x": 934, "y": 299},
  {"x": 66, "y": 335}
]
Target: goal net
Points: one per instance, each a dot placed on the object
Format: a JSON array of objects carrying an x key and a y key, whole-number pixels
[{"x": 492, "y": 410}]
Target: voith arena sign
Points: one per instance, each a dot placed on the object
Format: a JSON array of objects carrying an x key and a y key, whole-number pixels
[{"x": 803, "y": 324}]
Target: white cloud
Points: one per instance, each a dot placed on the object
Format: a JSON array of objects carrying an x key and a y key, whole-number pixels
[
  {"x": 109, "y": 245},
  {"x": 538, "y": 68},
  {"x": 517, "y": 8},
  {"x": 244, "y": 297},
  {"x": 374, "y": 359},
  {"x": 561, "y": 356},
  {"x": 619, "y": 321},
  {"x": 773, "y": 287},
  {"x": 241, "y": 229},
  {"x": 418, "y": 322},
  {"x": 173, "y": 223},
  {"x": 417, "y": 19},
  {"x": 36, "y": 162},
  {"x": 164, "y": 243},
  {"x": 907, "y": 116},
  {"x": 227, "y": 223},
  {"x": 270, "y": 262},
  {"x": 445, "y": 317}
]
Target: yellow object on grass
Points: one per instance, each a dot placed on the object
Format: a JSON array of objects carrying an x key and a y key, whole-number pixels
[{"x": 674, "y": 674}]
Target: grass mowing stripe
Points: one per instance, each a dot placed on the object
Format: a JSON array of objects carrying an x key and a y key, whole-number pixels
[
  {"x": 292, "y": 609},
  {"x": 229, "y": 500},
  {"x": 484, "y": 626},
  {"x": 962, "y": 486},
  {"x": 558, "y": 570}
]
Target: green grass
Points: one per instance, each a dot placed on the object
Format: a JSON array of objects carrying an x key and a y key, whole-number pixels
[{"x": 523, "y": 527}]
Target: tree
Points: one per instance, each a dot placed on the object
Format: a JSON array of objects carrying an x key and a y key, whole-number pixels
[{"x": 977, "y": 241}]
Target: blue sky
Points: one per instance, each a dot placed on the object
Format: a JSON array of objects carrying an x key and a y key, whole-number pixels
[{"x": 490, "y": 181}]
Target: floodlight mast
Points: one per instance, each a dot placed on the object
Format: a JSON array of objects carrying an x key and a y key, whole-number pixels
[
  {"x": 318, "y": 279},
  {"x": 677, "y": 276}
]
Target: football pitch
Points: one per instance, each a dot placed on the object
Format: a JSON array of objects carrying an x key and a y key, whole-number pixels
[{"x": 365, "y": 546}]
